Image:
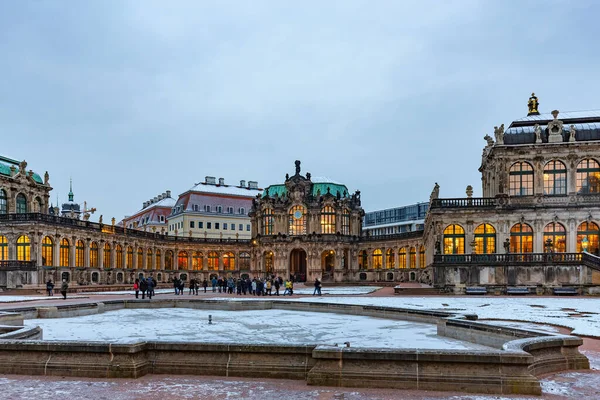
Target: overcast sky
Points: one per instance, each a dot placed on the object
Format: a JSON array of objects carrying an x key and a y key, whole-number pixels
[{"x": 131, "y": 98}]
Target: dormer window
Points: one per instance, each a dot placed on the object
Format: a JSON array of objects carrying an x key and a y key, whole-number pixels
[
  {"x": 162, "y": 218},
  {"x": 206, "y": 208},
  {"x": 242, "y": 210},
  {"x": 220, "y": 209},
  {"x": 229, "y": 210},
  {"x": 195, "y": 207}
]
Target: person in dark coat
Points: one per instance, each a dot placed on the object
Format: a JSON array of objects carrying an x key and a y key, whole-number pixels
[
  {"x": 151, "y": 284},
  {"x": 64, "y": 288},
  {"x": 276, "y": 284},
  {"x": 205, "y": 284},
  {"x": 176, "y": 285},
  {"x": 317, "y": 287},
  {"x": 143, "y": 287},
  {"x": 50, "y": 287},
  {"x": 192, "y": 284}
]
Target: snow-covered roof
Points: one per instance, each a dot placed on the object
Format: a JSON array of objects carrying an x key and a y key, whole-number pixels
[
  {"x": 166, "y": 202},
  {"x": 323, "y": 179},
  {"x": 225, "y": 189}
]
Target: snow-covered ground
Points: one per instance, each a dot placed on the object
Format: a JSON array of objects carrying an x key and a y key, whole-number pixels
[
  {"x": 580, "y": 314},
  {"x": 338, "y": 290},
  {"x": 263, "y": 326},
  {"x": 15, "y": 299}
]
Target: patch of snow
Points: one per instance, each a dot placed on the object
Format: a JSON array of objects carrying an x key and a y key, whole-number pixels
[
  {"x": 338, "y": 290},
  {"x": 15, "y": 299},
  {"x": 262, "y": 326}
]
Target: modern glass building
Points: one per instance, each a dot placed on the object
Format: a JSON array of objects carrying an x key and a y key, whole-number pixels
[{"x": 395, "y": 220}]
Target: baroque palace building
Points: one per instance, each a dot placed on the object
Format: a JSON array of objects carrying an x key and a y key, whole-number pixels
[{"x": 536, "y": 225}]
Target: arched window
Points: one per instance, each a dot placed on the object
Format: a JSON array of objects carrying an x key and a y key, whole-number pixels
[
  {"x": 556, "y": 234},
  {"x": 377, "y": 258},
  {"x": 268, "y": 256},
  {"x": 229, "y": 261},
  {"x": 454, "y": 239},
  {"x": 363, "y": 260},
  {"x": 521, "y": 238},
  {"x": 422, "y": 260},
  {"x": 485, "y": 239},
  {"x": 119, "y": 256},
  {"x": 587, "y": 237},
  {"x": 555, "y": 178},
  {"x": 267, "y": 221},
  {"x": 520, "y": 181},
  {"x": 182, "y": 260},
  {"x": 244, "y": 260},
  {"x": 148, "y": 258},
  {"x": 588, "y": 176},
  {"x": 94, "y": 255},
  {"x": 345, "y": 222},
  {"x": 21, "y": 204},
  {"x": 129, "y": 259},
  {"x": 213, "y": 261},
  {"x": 327, "y": 220},
  {"x": 402, "y": 257},
  {"x": 65, "y": 249},
  {"x": 297, "y": 221},
  {"x": 3, "y": 203},
  {"x": 157, "y": 259},
  {"x": 23, "y": 248},
  {"x": 413, "y": 257},
  {"x": 47, "y": 251},
  {"x": 197, "y": 260},
  {"x": 106, "y": 260},
  {"x": 389, "y": 259},
  {"x": 79, "y": 252},
  {"x": 3, "y": 248},
  {"x": 168, "y": 260},
  {"x": 139, "y": 262}
]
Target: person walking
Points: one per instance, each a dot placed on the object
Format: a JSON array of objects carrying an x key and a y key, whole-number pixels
[
  {"x": 64, "y": 288},
  {"x": 50, "y": 287},
  {"x": 181, "y": 286},
  {"x": 254, "y": 286},
  {"x": 214, "y": 284},
  {"x": 317, "y": 287},
  {"x": 176, "y": 286},
  {"x": 136, "y": 287},
  {"x": 192, "y": 284},
  {"x": 143, "y": 287},
  {"x": 204, "y": 284},
  {"x": 269, "y": 287},
  {"x": 151, "y": 284},
  {"x": 276, "y": 285}
]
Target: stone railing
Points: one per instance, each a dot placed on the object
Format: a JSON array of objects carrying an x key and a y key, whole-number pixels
[
  {"x": 507, "y": 259},
  {"x": 591, "y": 261},
  {"x": 468, "y": 202},
  {"x": 508, "y": 202},
  {"x": 15, "y": 265}
]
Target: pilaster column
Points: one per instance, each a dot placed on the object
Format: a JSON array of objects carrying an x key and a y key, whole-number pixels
[
  {"x": 101, "y": 254},
  {"x": 56, "y": 252},
  {"x": 86, "y": 253},
  {"x": 72, "y": 250}
]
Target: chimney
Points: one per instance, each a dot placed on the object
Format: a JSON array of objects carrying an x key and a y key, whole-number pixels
[
  {"x": 154, "y": 200},
  {"x": 252, "y": 185},
  {"x": 145, "y": 204},
  {"x": 160, "y": 197},
  {"x": 221, "y": 181},
  {"x": 168, "y": 193},
  {"x": 242, "y": 183},
  {"x": 209, "y": 180}
]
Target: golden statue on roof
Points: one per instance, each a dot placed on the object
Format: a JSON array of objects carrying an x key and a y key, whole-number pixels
[{"x": 533, "y": 105}]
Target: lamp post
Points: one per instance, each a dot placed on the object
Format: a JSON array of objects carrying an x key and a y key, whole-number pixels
[{"x": 584, "y": 244}]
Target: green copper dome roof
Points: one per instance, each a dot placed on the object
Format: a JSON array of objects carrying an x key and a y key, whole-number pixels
[
  {"x": 319, "y": 187},
  {"x": 6, "y": 163}
]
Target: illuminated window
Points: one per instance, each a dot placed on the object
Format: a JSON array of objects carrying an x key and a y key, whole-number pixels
[
  {"x": 149, "y": 259},
  {"x": 557, "y": 233},
  {"x": 555, "y": 178},
  {"x": 229, "y": 261},
  {"x": 389, "y": 259},
  {"x": 588, "y": 176},
  {"x": 21, "y": 204},
  {"x": 345, "y": 222},
  {"x": 47, "y": 251},
  {"x": 377, "y": 258},
  {"x": 197, "y": 260},
  {"x": 485, "y": 239},
  {"x": 454, "y": 240},
  {"x": 94, "y": 255},
  {"x": 267, "y": 221},
  {"x": 3, "y": 248},
  {"x": 139, "y": 262},
  {"x": 520, "y": 181},
  {"x": 521, "y": 238},
  {"x": 297, "y": 221},
  {"x": 64, "y": 252},
  {"x": 587, "y": 237},
  {"x": 79, "y": 252},
  {"x": 422, "y": 257},
  {"x": 129, "y": 259},
  {"x": 327, "y": 220},
  {"x": 23, "y": 248},
  {"x": 3, "y": 203},
  {"x": 182, "y": 260},
  {"x": 413, "y": 257},
  {"x": 158, "y": 258},
  {"x": 245, "y": 261},
  {"x": 106, "y": 255},
  {"x": 363, "y": 260},
  {"x": 402, "y": 257},
  {"x": 168, "y": 260},
  {"x": 213, "y": 261},
  {"x": 268, "y": 255},
  {"x": 119, "y": 256}
]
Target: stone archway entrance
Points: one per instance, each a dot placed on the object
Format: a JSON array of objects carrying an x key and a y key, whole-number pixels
[
  {"x": 327, "y": 265},
  {"x": 298, "y": 264}
]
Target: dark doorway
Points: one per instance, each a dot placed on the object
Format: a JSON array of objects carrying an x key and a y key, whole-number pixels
[{"x": 298, "y": 265}]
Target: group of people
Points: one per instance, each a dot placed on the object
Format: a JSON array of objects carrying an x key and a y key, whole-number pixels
[
  {"x": 64, "y": 288},
  {"x": 144, "y": 285}
]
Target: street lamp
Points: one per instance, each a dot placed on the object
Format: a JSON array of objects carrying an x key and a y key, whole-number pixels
[{"x": 584, "y": 244}]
